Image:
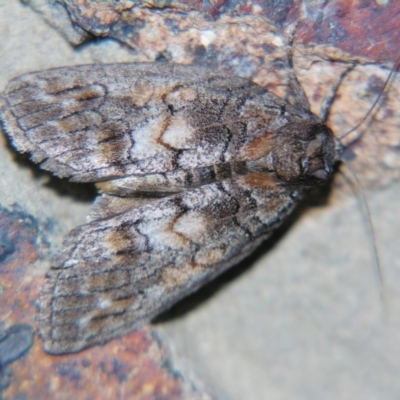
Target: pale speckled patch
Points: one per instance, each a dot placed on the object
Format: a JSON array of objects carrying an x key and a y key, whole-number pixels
[
  {"x": 179, "y": 134},
  {"x": 146, "y": 139}
]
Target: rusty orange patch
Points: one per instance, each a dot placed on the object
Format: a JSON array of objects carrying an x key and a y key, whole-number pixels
[
  {"x": 261, "y": 180},
  {"x": 259, "y": 147}
]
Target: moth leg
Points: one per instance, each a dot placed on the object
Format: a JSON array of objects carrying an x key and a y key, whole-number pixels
[{"x": 326, "y": 106}]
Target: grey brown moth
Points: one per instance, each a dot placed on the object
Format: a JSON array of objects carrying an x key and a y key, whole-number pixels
[{"x": 195, "y": 169}]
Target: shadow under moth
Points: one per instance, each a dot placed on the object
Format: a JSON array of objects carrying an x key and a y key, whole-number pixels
[{"x": 195, "y": 169}]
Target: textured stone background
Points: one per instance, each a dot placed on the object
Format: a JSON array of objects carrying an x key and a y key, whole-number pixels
[{"x": 302, "y": 318}]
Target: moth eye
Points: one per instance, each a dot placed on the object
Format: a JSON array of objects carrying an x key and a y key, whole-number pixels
[{"x": 321, "y": 174}]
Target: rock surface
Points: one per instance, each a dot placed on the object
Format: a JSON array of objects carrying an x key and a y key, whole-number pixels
[{"x": 303, "y": 318}]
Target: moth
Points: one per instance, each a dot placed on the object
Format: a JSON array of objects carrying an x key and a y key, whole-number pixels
[{"x": 195, "y": 168}]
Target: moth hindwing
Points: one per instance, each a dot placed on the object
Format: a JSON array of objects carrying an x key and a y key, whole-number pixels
[{"x": 195, "y": 169}]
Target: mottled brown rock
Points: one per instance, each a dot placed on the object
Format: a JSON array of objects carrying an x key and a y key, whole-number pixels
[{"x": 137, "y": 366}]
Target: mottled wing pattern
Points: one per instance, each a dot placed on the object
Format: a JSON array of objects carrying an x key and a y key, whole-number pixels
[
  {"x": 118, "y": 273},
  {"x": 95, "y": 122}
]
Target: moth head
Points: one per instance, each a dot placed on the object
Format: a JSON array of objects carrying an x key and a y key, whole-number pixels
[{"x": 305, "y": 153}]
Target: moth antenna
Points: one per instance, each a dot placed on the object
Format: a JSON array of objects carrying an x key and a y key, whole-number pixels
[
  {"x": 384, "y": 90},
  {"x": 296, "y": 95},
  {"x": 326, "y": 107},
  {"x": 354, "y": 180},
  {"x": 354, "y": 183}
]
